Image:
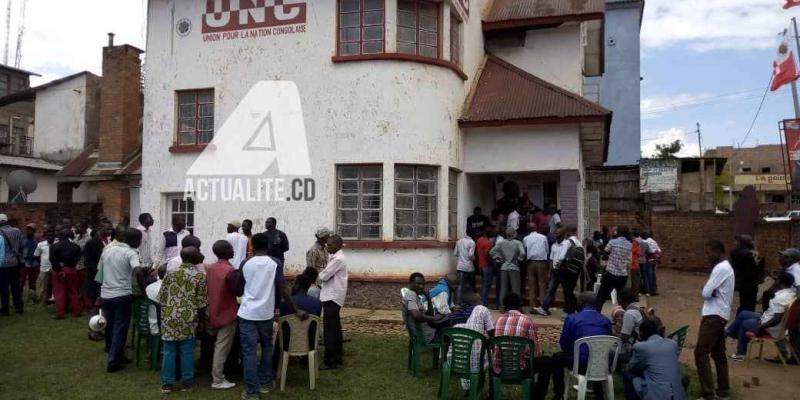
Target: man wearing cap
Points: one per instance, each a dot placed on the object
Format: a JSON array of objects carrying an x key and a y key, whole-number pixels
[
  {"x": 317, "y": 256},
  {"x": 239, "y": 243},
  {"x": 9, "y": 269}
]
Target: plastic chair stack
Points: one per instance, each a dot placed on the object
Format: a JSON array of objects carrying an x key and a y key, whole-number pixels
[
  {"x": 510, "y": 353},
  {"x": 456, "y": 353},
  {"x": 299, "y": 345},
  {"x": 597, "y": 367}
]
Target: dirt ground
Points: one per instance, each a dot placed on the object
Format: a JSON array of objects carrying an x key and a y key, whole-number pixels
[{"x": 679, "y": 304}]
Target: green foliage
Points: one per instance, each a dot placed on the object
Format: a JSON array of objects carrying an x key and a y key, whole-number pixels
[{"x": 666, "y": 151}]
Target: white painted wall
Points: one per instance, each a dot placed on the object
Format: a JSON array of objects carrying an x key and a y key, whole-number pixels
[
  {"x": 521, "y": 149},
  {"x": 60, "y": 132},
  {"x": 553, "y": 54}
]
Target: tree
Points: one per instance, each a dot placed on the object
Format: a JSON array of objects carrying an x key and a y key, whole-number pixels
[{"x": 665, "y": 151}]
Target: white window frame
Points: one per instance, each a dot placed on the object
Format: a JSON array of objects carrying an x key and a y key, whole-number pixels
[
  {"x": 362, "y": 206},
  {"x": 415, "y": 195}
]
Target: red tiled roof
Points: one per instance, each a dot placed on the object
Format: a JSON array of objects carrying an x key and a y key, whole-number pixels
[
  {"x": 85, "y": 166},
  {"x": 528, "y": 13},
  {"x": 507, "y": 95}
]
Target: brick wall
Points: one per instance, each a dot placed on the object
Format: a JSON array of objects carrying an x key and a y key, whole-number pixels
[
  {"x": 682, "y": 235},
  {"x": 120, "y": 103},
  {"x": 51, "y": 213},
  {"x": 568, "y": 197},
  {"x": 115, "y": 197}
]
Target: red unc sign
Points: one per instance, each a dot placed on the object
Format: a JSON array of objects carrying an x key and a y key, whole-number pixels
[{"x": 233, "y": 15}]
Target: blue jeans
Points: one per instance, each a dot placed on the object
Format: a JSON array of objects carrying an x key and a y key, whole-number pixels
[
  {"x": 463, "y": 279},
  {"x": 171, "y": 349},
  {"x": 746, "y": 321},
  {"x": 630, "y": 388},
  {"x": 117, "y": 312},
  {"x": 486, "y": 284},
  {"x": 648, "y": 271},
  {"x": 253, "y": 333}
]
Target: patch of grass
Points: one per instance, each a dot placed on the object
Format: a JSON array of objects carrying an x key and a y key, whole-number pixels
[{"x": 44, "y": 359}]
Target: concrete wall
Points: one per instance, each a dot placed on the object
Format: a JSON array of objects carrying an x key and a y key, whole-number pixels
[
  {"x": 554, "y": 54},
  {"x": 46, "y": 190},
  {"x": 60, "y": 133},
  {"x": 521, "y": 149},
  {"x": 360, "y": 112},
  {"x": 620, "y": 85}
]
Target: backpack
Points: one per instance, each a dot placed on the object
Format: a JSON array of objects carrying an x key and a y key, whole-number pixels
[{"x": 575, "y": 259}]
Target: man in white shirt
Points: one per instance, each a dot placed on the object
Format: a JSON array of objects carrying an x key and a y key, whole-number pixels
[
  {"x": 513, "y": 220},
  {"x": 175, "y": 262},
  {"x": 146, "y": 248},
  {"x": 239, "y": 243},
  {"x": 717, "y": 299},
  {"x": 42, "y": 254},
  {"x": 169, "y": 243},
  {"x": 793, "y": 256},
  {"x": 465, "y": 253},
  {"x": 258, "y": 282},
  {"x": 566, "y": 238},
  {"x": 538, "y": 269},
  {"x": 332, "y": 296},
  {"x": 555, "y": 219}
]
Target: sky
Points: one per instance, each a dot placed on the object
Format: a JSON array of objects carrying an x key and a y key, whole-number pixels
[{"x": 703, "y": 61}]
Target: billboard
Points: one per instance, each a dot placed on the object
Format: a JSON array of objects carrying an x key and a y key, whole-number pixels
[
  {"x": 791, "y": 128},
  {"x": 659, "y": 175}
]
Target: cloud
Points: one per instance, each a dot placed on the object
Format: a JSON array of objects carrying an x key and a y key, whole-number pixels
[
  {"x": 690, "y": 147},
  {"x": 655, "y": 106},
  {"x": 705, "y": 25},
  {"x": 63, "y": 37}
]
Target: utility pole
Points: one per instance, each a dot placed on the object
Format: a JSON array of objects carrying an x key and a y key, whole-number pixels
[
  {"x": 794, "y": 84},
  {"x": 702, "y": 169},
  {"x": 7, "y": 46}
]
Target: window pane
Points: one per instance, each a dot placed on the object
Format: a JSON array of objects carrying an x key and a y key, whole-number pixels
[
  {"x": 348, "y": 231},
  {"x": 406, "y": 5},
  {"x": 187, "y": 138},
  {"x": 426, "y": 8},
  {"x": 186, "y": 98},
  {"x": 375, "y": 172},
  {"x": 348, "y": 202},
  {"x": 190, "y": 219},
  {"x": 406, "y": 48},
  {"x": 348, "y": 187},
  {"x": 426, "y": 203},
  {"x": 371, "y": 217},
  {"x": 426, "y": 232},
  {"x": 404, "y": 187},
  {"x": 404, "y": 231},
  {"x": 190, "y": 205},
  {"x": 427, "y": 51},
  {"x": 373, "y": 33},
  {"x": 187, "y": 111},
  {"x": 349, "y": 35},
  {"x": 373, "y": 18},
  {"x": 350, "y": 20},
  {"x": 348, "y": 49},
  {"x": 404, "y": 217},
  {"x": 426, "y": 187},
  {"x": 359, "y": 201},
  {"x": 346, "y": 172},
  {"x": 408, "y": 20},
  {"x": 373, "y": 5},
  {"x": 404, "y": 172},
  {"x": 428, "y": 38},
  {"x": 428, "y": 173},
  {"x": 348, "y": 217},
  {"x": 370, "y": 232},
  {"x": 205, "y": 137},
  {"x": 374, "y": 47},
  {"x": 349, "y": 5},
  {"x": 404, "y": 202},
  {"x": 206, "y": 124},
  {"x": 175, "y": 205},
  {"x": 205, "y": 97},
  {"x": 371, "y": 187},
  {"x": 429, "y": 23},
  {"x": 371, "y": 203},
  {"x": 206, "y": 110}
]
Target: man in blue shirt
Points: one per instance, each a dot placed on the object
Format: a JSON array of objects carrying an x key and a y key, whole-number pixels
[
  {"x": 311, "y": 305},
  {"x": 588, "y": 322}
]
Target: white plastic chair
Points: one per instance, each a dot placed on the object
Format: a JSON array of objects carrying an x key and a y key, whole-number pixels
[
  {"x": 597, "y": 368},
  {"x": 299, "y": 345}
]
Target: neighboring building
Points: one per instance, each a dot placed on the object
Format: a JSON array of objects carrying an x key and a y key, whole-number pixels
[
  {"x": 676, "y": 184},
  {"x": 410, "y": 123},
  {"x": 765, "y": 168},
  {"x": 107, "y": 169},
  {"x": 619, "y": 89}
]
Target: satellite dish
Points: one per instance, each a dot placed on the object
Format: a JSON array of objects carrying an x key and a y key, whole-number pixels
[{"x": 22, "y": 183}]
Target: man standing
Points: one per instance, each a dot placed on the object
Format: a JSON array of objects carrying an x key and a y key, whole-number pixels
[
  {"x": 555, "y": 218},
  {"x": 465, "y": 253},
  {"x": 332, "y": 296},
  {"x": 278, "y": 242},
  {"x": 477, "y": 222},
  {"x": 317, "y": 256},
  {"x": 91, "y": 259},
  {"x": 568, "y": 258},
  {"x": 169, "y": 246},
  {"x": 717, "y": 299},
  {"x": 239, "y": 243},
  {"x": 509, "y": 253},
  {"x": 619, "y": 263},
  {"x": 654, "y": 371},
  {"x": 9, "y": 269},
  {"x": 482, "y": 248},
  {"x": 643, "y": 251},
  {"x": 222, "y": 308},
  {"x": 745, "y": 261},
  {"x": 538, "y": 268},
  {"x": 30, "y": 273},
  {"x": 64, "y": 256},
  {"x": 258, "y": 283},
  {"x": 247, "y": 230},
  {"x": 146, "y": 248},
  {"x": 116, "y": 293}
]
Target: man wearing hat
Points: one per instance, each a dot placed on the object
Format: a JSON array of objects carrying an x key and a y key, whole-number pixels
[
  {"x": 239, "y": 243},
  {"x": 317, "y": 256},
  {"x": 9, "y": 269}
]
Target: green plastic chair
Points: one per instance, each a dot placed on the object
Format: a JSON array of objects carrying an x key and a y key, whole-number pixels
[
  {"x": 457, "y": 344},
  {"x": 510, "y": 350},
  {"x": 416, "y": 345},
  {"x": 143, "y": 334},
  {"x": 679, "y": 336}
]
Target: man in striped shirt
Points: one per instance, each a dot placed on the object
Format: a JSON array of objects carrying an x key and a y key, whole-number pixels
[{"x": 619, "y": 263}]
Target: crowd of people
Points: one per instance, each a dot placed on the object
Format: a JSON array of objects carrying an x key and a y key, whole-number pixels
[{"x": 229, "y": 306}]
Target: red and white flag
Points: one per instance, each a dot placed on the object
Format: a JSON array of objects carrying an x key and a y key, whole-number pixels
[
  {"x": 784, "y": 68},
  {"x": 791, "y": 3}
]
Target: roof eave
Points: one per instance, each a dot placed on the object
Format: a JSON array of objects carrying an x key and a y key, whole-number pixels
[
  {"x": 540, "y": 21},
  {"x": 540, "y": 121}
]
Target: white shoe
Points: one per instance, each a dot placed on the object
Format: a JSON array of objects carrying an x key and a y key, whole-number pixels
[
  {"x": 223, "y": 385},
  {"x": 737, "y": 357}
]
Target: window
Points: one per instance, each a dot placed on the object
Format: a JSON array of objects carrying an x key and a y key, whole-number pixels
[
  {"x": 359, "y": 189},
  {"x": 415, "y": 202},
  {"x": 766, "y": 170},
  {"x": 195, "y": 117},
  {"x": 20, "y": 84},
  {"x": 178, "y": 206},
  {"x": 452, "y": 205},
  {"x": 361, "y": 27},
  {"x": 455, "y": 40},
  {"x": 778, "y": 198},
  {"x": 745, "y": 169},
  {"x": 418, "y": 28}
]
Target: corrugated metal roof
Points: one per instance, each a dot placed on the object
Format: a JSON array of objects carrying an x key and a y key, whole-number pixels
[
  {"x": 85, "y": 166},
  {"x": 506, "y": 95},
  {"x": 29, "y": 162},
  {"x": 523, "y": 13}
]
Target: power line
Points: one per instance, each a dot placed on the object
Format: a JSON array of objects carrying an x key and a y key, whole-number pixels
[
  {"x": 735, "y": 96},
  {"x": 758, "y": 111}
]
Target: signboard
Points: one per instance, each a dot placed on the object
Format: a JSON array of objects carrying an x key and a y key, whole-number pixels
[
  {"x": 247, "y": 19},
  {"x": 756, "y": 180},
  {"x": 658, "y": 176},
  {"x": 791, "y": 128}
]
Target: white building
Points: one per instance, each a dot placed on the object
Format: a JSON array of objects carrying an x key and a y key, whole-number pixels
[{"x": 410, "y": 123}]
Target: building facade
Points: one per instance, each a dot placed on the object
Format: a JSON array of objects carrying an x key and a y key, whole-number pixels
[
  {"x": 765, "y": 168},
  {"x": 408, "y": 122}
]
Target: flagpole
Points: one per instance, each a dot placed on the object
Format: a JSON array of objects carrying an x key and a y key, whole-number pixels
[{"x": 794, "y": 83}]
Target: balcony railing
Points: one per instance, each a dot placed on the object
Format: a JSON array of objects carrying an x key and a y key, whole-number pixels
[{"x": 16, "y": 146}]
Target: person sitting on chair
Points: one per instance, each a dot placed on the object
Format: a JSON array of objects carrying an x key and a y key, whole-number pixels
[
  {"x": 653, "y": 372},
  {"x": 416, "y": 310},
  {"x": 763, "y": 324}
]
